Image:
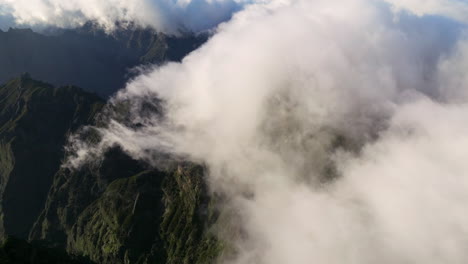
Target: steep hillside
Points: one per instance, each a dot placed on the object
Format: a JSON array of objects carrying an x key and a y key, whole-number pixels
[
  {"x": 34, "y": 121},
  {"x": 121, "y": 212},
  {"x": 88, "y": 57},
  {"x": 115, "y": 211}
]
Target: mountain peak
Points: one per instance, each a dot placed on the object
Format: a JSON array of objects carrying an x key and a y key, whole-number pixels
[
  {"x": 25, "y": 76},
  {"x": 20, "y": 30}
]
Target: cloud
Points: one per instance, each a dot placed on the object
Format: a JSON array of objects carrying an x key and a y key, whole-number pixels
[
  {"x": 455, "y": 9},
  {"x": 6, "y": 20},
  {"x": 336, "y": 133},
  {"x": 170, "y": 16}
]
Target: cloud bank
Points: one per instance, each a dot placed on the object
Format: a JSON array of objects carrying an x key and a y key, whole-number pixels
[
  {"x": 456, "y": 9},
  {"x": 169, "y": 16},
  {"x": 337, "y": 133}
]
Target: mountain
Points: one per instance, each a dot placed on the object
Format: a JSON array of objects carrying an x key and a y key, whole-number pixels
[
  {"x": 88, "y": 57},
  {"x": 114, "y": 214},
  {"x": 115, "y": 211},
  {"x": 35, "y": 119}
]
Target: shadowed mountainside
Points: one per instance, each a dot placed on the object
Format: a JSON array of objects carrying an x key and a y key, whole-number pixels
[
  {"x": 114, "y": 214},
  {"x": 17, "y": 251},
  {"x": 88, "y": 57},
  {"x": 35, "y": 119},
  {"x": 118, "y": 210}
]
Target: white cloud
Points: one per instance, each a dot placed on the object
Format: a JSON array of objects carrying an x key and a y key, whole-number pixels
[
  {"x": 288, "y": 92},
  {"x": 455, "y": 9},
  {"x": 164, "y": 15}
]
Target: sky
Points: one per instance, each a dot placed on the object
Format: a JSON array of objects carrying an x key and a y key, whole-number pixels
[{"x": 336, "y": 130}]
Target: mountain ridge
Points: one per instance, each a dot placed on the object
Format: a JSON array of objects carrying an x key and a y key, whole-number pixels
[
  {"x": 89, "y": 57},
  {"x": 118, "y": 210}
]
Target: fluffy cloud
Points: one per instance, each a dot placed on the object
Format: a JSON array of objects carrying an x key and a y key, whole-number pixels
[
  {"x": 337, "y": 133},
  {"x": 170, "y": 16},
  {"x": 456, "y": 9}
]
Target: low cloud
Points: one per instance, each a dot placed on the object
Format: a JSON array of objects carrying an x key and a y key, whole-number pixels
[
  {"x": 455, "y": 9},
  {"x": 167, "y": 16},
  {"x": 337, "y": 133}
]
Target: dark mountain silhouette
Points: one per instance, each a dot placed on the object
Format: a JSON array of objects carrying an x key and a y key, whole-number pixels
[
  {"x": 88, "y": 57},
  {"x": 35, "y": 119}
]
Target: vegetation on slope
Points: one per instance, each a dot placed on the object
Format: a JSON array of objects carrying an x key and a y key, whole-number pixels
[
  {"x": 117, "y": 210},
  {"x": 111, "y": 214},
  {"x": 35, "y": 119}
]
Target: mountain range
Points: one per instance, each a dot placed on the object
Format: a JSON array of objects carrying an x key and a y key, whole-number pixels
[
  {"x": 89, "y": 57},
  {"x": 115, "y": 211}
]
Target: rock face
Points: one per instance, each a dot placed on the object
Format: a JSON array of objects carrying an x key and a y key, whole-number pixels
[
  {"x": 113, "y": 214},
  {"x": 88, "y": 57},
  {"x": 35, "y": 119},
  {"x": 116, "y": 211}
]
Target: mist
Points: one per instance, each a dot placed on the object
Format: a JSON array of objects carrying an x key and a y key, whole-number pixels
[
  {"x": 6, "y": 22},
  {"x": 168, "y": 16},
  {"x": 336, "y": 130}
]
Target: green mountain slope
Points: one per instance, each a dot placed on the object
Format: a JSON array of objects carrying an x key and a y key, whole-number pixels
[
  {"x": 121, "y": 212},
  {"x": 116, "y": 211},
  {"x": 35, "y": 119}
]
